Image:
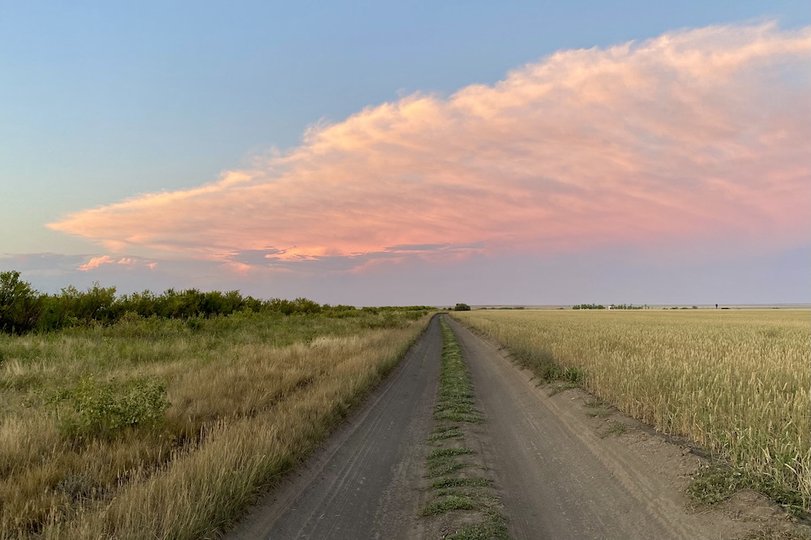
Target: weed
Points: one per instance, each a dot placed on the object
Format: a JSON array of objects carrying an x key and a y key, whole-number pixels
[
  {"x": 445, "y": 483},
  {"x": 452, "y": 432},
  {"x": 449, "y": 503},
  {"x": 614, "y": 429},
  {"x": 441, "y": 453},
  {"x": 718, "y": 482},
  {"x": 444, "y": 466},
  {"x": 104, "y": 409},
  {"x": 715, "y": 483}
]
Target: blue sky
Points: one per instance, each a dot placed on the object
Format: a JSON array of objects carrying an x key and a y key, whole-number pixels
[{"x": 103, "y": 102}]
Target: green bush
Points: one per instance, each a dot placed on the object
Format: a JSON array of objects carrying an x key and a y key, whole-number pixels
[
  {"x": 22, "y": 309},
  {"x": 19, "y": 304},
  {"x": 98, "y": 409}
]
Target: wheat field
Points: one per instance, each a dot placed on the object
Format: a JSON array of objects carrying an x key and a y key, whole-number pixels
[
  {"x": 736, "y": 382},
  {"x": 167, "y": 429}
]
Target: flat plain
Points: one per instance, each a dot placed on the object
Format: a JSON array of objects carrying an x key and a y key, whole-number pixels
[{"x": 172, "y": 428}]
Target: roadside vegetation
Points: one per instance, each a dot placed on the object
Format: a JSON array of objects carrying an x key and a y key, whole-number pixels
[
  {"x": 23, "y": 309},
  {"x": 460, "y": 491},
  {"x": 735, "y": 382},
  {"x": 160, "y": 427}
]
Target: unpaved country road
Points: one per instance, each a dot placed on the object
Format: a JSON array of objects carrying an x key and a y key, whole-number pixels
[
  {"x": 557, "y": 475},
  {"x": 365, "y": 482}
]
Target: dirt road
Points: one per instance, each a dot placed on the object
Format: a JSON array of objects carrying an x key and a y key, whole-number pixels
[
  {"x": 559, "y": 472},
  {"x": 366, "y": 482}
]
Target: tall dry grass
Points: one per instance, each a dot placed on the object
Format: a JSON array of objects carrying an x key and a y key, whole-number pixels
[
  {"x": 248, "y": 396},
  {"x": 735, "y": 382}
]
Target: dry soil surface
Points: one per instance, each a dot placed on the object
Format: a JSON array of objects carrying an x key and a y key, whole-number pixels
[{"x": 563, "y": 467}]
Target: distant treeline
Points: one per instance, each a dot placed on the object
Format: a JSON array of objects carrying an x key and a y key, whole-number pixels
[
  {"x": 23, "y": 309},
  {"x": 611, "y": 306}
]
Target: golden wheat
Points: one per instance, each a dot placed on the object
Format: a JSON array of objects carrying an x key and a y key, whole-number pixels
[{"x": 736, "y": 382}]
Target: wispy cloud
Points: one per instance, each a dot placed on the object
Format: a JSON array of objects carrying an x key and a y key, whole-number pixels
[
  {"x": 101, "y": 260},
  {"x": 50, "y": 272},
  {"x": 695, "y": 137}
]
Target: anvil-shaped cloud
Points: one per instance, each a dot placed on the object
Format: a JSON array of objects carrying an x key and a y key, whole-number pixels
[{"x": 695, "y": 137}]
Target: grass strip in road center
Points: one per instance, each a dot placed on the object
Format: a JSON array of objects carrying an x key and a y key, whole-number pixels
[{"x": 460, "y": 495}]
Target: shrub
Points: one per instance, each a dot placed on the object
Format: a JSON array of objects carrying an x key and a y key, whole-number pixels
[
  {"x": 19, "y": 304},
  {"x": 102, "y": 409}
]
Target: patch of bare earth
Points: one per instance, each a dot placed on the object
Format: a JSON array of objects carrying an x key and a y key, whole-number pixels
[{"x": 747, "y": 514}]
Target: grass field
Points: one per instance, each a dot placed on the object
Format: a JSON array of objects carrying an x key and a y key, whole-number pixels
[
  {"x": 168, "y": 428},
  {"x": 736, "y": 382}
]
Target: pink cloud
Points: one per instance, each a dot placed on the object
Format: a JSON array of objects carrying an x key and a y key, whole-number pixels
[
  {"x": 95, "y": 262},
  {"x": 102, "y": 260},
  {"x": 695, "y": 137}
]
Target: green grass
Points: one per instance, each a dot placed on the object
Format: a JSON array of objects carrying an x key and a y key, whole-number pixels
[
  {"x": 455, "y": 402},
  {"x": 449, "y": 503},
  {"x": 449, "y": 464},
  {"x": 452, "y": 432},
  {"x": 443, "y": 461},
  {"x": 715, "y": 483},
  {"x": 444, "y": 466},
  {"x": 719, "y": 481},
  {"x": 445, "y": 483},
  {"x": 614, "y": 429},
  {"x": 442, "y": 453}
]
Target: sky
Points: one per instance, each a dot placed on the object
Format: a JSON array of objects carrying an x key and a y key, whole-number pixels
[{"x": 377, "y": 153}]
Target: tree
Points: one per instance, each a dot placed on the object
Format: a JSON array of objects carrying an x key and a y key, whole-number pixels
[
  {"x": 461, "y": 307},
  {"x": 19, "y": 304}
]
